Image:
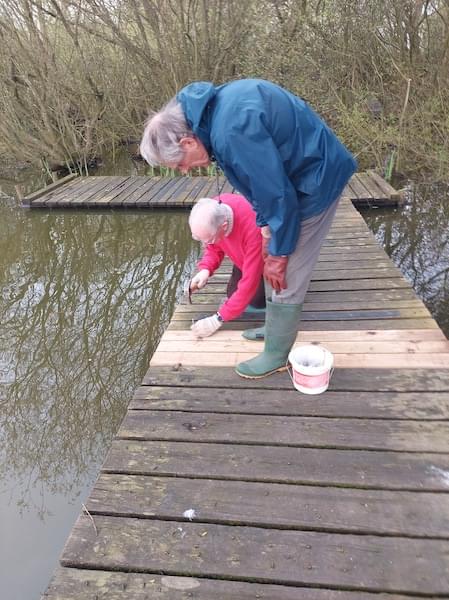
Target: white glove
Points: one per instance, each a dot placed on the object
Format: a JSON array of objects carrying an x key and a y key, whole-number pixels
[
  {"x": 205, "y": 327},
  {"x": 199, "y": 280}
]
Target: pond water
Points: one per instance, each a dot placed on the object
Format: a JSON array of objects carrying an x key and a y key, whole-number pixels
[
  {"x": 84, "y": 300},
  {"x": 85, "y": 297},
  {"x": 416, "y": 237}
]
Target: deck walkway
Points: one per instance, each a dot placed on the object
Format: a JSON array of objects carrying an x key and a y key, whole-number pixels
[
  {"x": 178, "y": 192},
  {"x": 340, "y": 496}
]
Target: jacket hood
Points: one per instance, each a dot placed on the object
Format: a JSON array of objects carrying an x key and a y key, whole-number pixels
[{"x": 196, "y": 100}]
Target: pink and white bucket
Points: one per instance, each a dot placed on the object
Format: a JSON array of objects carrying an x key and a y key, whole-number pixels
[{"x": 311, "y": 368}]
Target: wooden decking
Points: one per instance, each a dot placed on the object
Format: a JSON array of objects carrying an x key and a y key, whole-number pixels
[
  {"x": 342, "y": 496},
  {"x": 178, "y": 192}
]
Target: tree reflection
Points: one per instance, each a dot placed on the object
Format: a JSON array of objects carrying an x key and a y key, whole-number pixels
[
  {"x": 416, "y": 237},
  {"x": 85, "y": 298}
]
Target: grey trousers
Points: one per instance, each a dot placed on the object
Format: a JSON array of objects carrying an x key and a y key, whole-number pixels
[{"x": 303, "y": 260}]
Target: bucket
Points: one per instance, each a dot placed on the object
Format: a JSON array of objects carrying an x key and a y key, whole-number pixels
[{"x": 312, "y": 368}]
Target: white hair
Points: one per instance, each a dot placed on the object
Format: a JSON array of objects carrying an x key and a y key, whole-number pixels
[
  {"x": 163, "y": 130},
  {"x": 210, "y": 213}
]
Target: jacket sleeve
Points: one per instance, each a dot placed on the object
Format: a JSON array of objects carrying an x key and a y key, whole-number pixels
[
  {"x": 253, "y": 160},
  {"x": 211, "y": 259},
  {"x": 252, "y": 269}
]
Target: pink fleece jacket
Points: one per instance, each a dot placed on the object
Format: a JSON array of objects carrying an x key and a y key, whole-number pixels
[{"x": 243, "y": 246}]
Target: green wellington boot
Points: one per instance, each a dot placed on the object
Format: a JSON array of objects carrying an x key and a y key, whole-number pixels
[
  {"x": 281, "y": 325},
  {"x": 255, "y": 334}
]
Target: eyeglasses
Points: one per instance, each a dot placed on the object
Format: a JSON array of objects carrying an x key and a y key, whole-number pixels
[{"x": 211, "y": 240}]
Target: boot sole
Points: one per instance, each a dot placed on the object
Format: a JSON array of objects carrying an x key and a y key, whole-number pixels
[{"x": 278, "y": 370}]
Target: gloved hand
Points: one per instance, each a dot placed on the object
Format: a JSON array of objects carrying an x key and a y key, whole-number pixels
[
  {"x": 274, "y": 271},
  {"x": 199, "y": 280},
  {"x": 205, "y": 327}
]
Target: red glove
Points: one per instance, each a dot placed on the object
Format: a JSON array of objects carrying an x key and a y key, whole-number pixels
[{"x": 274, "y": 271}]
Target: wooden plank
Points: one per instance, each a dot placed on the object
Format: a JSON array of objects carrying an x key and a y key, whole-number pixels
[
  {"x": 96, "y": 193},
  {"x": 79, "y": 198},
  {"x": 175, "y": 200},
  {"x": 335, "y": 510},
  {"x": 257, "y": 554},
  {"x": 361, "y": 192},
  {"x": 387, "y": 189},
  {"x": 159, "y": 197},
  {"x": 84, "y": 584},
  {"x": 212, "y": 345},
  {"x": 316, "y": 432},
  {"x": 412, "y": 335},
  {"x": 73, "y": 188},
  {"x": 329, "y": 315},
  {"x": 140, "y": 193},
  {"x": 108, "y": 194},
  {"x": 135, "y": 184},
  {"x": 28, "y": 200},
  {"x": 317, "y": 326},
  {"x": 348, "y": 380},
  {"x": 371, "y": 405},
  {"x": 202, "y": 302},
  {"x": 341, "y": 361},
  {"x": 371, "y": 184},
  {"x": 363, "y": 469}
]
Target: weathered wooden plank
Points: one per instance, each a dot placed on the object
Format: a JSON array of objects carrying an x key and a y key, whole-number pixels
[
  {"x": 84, "y": 584},
  {"x": 316, "y": 432},
  {"x": 370, "y": 183},
  {"x": 159, "y": 196},
  {"x": 202, "y": 302},
  {"x": 371, "y": 405},
  {"x": 347, "y": 380},
  {"x": 134, "y": 186},
  {"x": 71, "y": 189},
  {"x": 360, "y": 190},
  {"x": 335, "y": 510},
  {"x": 77, "y": 198},
  {"x": 366, "y": 563},
  {"x": 28, "y": 200},
  {"x": 140, "y": 193},
  {"x": 324, "y": 315},
  {"x": 103, "y": 195},
  {"x": 320, "y": 283},
  {"x": 405, "y": 471},
  {"x": 387, "y": 189},
  {"x": 101, "y": 192}
]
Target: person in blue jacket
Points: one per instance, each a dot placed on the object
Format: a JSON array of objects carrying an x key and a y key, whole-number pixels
[{"x": 279, "y": 154}]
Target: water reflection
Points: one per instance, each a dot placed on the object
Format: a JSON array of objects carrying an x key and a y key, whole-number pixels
[
  {"x": 85, "y": 298},
  {"x": 416, "y": 237}
]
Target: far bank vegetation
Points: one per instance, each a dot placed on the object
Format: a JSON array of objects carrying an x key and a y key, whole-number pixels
[{"x": 78, "y": 78}]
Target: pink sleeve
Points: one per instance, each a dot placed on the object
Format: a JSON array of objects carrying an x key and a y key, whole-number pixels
[
  {"x": 211, "y": 259},
  {"x": 252, "y": 269}
]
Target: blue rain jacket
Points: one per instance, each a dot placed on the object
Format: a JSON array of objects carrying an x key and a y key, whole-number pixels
[{"x": 273, "y": 148}]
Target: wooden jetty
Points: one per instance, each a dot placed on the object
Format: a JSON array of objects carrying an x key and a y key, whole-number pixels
[
  {"x": 364, "y": 189},
  {"x": 222, "y": 488}
]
